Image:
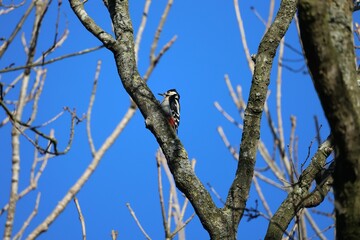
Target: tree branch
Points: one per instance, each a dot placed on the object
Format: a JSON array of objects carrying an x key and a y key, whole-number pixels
[
  {"x": 240, "y": 187},
  {"x": 173, "y": 149},
  {"x": 293, "y": 203}
]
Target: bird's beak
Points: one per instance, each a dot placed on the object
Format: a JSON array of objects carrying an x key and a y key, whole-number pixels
[{"x": 161, "y": 94}]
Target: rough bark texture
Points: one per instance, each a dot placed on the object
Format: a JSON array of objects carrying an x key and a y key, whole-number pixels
[
  {"x": 210, "y": 216},
  {"x": 239, "y": 191},
  {"x": 220, "y": 223},
  {"x": 299, "y": 197},
  {"x": 326, "y": 33}
]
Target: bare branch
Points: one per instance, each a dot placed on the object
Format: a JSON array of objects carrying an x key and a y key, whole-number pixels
[
  {"x": 29, "y": 219},
  {"x": 262, "y": 197},
  {"x": 137, "y": 221},
  {"x": 41, "y": 9},
  {"x": 257, "y": 14},
  {"x": 291, "y": 148},
  {"x": 17, "y": 124},
  {"x": 280, "y": 129},
  {"x": 156, "y": 122},
  {"x": 216, "y": 193},
  {"x": 269, "y": 180},
  {"x": 240, "y": 187},
  {"x": 227, "y": 116},
  {"x": 141, "y": 28},
  {"x": 243, "y": 37},
  {"x": 292, "y": 204},
  {"x": 42, "y": 227},
  {"x": 114, "y": 234},
  {"x": 271, "y": 13},
  {"x": 81, "y": 218},
  {"x": 159, "y": 29},
  {"x": 78, "y": 8},
  {"x": 34, "y": 179},
  {"x": 227, "y": 143},
  {"x": 314, "y": 225},
  {"x": 90, "y": 25},
  {"x": 91, "y": 103},
  {"x": 317, "y": 128},
  {"x": 6, "y": 43},
  {"x": 238, "y": 100},
  {"x": 43, "y": 63},
  {"x": 180, "y": 227},
  {"x": 161, "y": 192},
  {"x": 154, "y": 60}
]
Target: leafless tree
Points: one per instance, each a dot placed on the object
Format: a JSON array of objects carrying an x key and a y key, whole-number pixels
[{"x": 327, "y": 37}]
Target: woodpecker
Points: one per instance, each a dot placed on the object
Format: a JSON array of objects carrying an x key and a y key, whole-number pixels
[{"x": 171, "y": 106}]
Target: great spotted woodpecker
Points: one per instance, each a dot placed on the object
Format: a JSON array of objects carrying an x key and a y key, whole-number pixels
[{"x": 171, "y": 106}]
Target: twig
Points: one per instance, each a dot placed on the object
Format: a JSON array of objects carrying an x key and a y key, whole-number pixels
[
  {"x": 174, "y": 205},
  {"x": 89, "y": 111},
  {"x": 291, "y": 150},
  {"x": 6, "y": 43},
  {"x": 40, "y": 78},
  {"x": 325, "y": 214},
  {"x": 84, "y": 177},
  {"x": 262, "y": 197},
  {"x": 215, "y": 193},
  {"x": 53, "y": 46},
  {"x": 141, "y": 28},
  {"x": 308, "y": 154},
  {"x": 114, "y": 234},
  {"x": 313, "y": 225},
  {"x": 170, "y": 211},
  {"x": 270, "y": 121},
  {"x": 53, "y": 141},
  {"x": 317, "y": 128},
  {"x": 241, "y": 99},
  {"x": 270, "y": 160},
  {"x": 268, "y": 180},
  {"x": 243, "y": 37},
  {"x": 81, "y": 218},
  {"x": 281, "y": 138},
  {"x": 15, "y": 134},
  {"x": 159, "y": 29},
  {"x": 322, "y": 231},
  {"x": 240, "y": 105},
  {"x": 227, "y": 116},
  {"x": 36, "y": 64},
  {"x": 290, "y": 235},
  {"x": 300, "y": 220},
  {"x": 263, "y": 152},
  {"x": 179, "y": 228},
  {"x": 13, "y": 83},
  {"x": 271, "y": 13},
  {"x": 50, "y": 120},
  {"x": 29, "y": 219},
  {"x": 155, "y": 60},
  {"x": 253, "y": 9},
  {"x": 160, "y": 187},
  {"x": 34, "y": 179},
  {"x": 137, "y": 221},
  {"x": 227, "y": 143},
  {"x": 299, "y": 192}
]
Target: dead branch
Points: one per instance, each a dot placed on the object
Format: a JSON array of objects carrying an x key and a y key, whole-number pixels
[
  {"x": 29, "y": 219},
  {"x": 81, "y": 218},
  {"x": 137, "y": 221}
]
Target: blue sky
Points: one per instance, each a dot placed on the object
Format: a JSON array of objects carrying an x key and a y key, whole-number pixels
[{"x": 207, "y": 48}]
